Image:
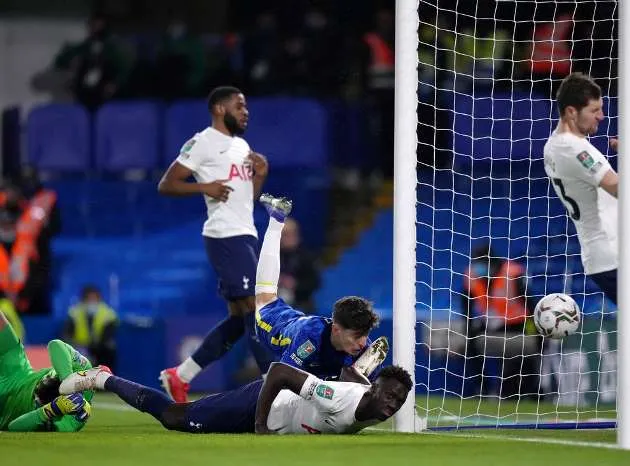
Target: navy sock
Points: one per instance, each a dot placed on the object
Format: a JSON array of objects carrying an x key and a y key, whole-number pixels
[
  {"x": 140, "y": 397},
  {"x": 219, "y": 340},
  {"x": 262, "y": 355}
]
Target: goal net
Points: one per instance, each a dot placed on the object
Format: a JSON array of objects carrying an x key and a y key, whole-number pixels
[{"x": 487, "y": 76}]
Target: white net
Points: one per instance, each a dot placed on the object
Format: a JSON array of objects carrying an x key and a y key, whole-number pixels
[{"x": 488, "y": 71}]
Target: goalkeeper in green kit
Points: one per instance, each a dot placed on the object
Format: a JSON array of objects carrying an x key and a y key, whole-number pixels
[{"x": 30, "y": 400}]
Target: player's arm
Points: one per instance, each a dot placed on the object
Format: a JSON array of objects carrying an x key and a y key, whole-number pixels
[
  {"x": 175, "y": 183},
  {"x": 610, "y": 182},
  {"x": 261, "y": 170},
  {"x": 280, "y": 377},
  {"x": 66, "y": 413}
]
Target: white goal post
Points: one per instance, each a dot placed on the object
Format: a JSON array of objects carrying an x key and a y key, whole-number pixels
[{"x": 468, "y": 86}]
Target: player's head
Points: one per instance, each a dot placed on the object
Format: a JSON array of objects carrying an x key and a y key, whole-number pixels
[
  {"x": 47, "y": 389},
  {"x": 580, "y": 103},
  {"x": 389, "y": 392},
  {"x": 353, "y": 318},
  {"x": 227, "y": 104}
]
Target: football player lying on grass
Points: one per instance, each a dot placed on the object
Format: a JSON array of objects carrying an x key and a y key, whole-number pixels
[
  {"x": 288, "y": 401},
  {"x": 29, "y": 399}
]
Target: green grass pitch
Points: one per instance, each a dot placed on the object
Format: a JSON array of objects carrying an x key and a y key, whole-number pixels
[{"x": 120, "y": 436}]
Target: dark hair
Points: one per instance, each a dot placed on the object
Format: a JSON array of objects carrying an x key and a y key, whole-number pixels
[
  {"x": 577, "y": 90},
  {"x": 220, "y": 94},
  {"x": 355, "y": 313},
  {"x": 397, "y": 373},
  {"x": 47, "y": 389},
  {"x": 88, "y": 290}
]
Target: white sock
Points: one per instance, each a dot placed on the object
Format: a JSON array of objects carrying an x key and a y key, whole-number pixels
[
  {"x": 188, "y": 370},
  {"x": 100, "y": 379},
  {"x": 268, "y": 270}
]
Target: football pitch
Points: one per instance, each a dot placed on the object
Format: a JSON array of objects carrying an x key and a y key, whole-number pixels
[{"x": 118, "y": 435}]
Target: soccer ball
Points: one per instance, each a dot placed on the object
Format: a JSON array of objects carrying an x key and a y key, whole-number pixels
[{"x": 557, "y": 316}]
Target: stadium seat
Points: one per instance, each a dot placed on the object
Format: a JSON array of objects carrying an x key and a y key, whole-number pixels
[
  {"x": 58, "y": 137},
  {"x": 290, "y": 132},
  {"x": 182, "y": 120},
  {"x": 127, "y": 136}
]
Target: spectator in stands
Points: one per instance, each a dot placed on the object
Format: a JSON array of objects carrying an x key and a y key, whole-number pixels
[
  {"x": 496, "y": 307},
  {"x": 91, "y": 325},
  {"x": 299, "y": 277},
  {"x": 261, "y": 51},
  {"x": 98, "y": 65},
  {"x": 18, "y": 251},
  {"x": 181, "y": 63},
  {"x": 43, "y": 202},
  {"x": 548, "y": 59},
  {"x": 380, "y": 88}
]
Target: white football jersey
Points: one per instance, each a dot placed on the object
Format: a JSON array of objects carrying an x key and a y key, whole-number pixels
[
  {"x": 212, "y": 156},
  {"x": 321, "y": 408},
  {"x": 576, "y": 168}
]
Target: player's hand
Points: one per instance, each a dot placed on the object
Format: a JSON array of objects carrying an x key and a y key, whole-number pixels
[
  {"x": 84, "y": 413},
  {"x": 263, "y": 430},
  {"x": 259, "y": 163},
  {"x": 217, "y": 190},
  {"x": 65, "y": 404},
  {"x": 614, "y": 143}
]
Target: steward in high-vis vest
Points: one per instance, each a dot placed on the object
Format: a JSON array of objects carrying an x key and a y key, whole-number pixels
[
  {"x": 497, "y": 308},
  {"x": 26, "y": 221},
  {"x": 91, "y": 324}
]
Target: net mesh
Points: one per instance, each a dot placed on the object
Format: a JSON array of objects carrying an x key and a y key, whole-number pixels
[{"x": 488, "y": 71}]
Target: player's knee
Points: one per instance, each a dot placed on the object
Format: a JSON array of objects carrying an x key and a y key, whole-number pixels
[{"x": 174, "y": 417}]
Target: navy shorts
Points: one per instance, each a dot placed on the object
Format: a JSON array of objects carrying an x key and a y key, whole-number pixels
[
  {"x": 234, "y": 260},
  {"x": 228, "y": 412},
  {"x": 607, "y": 282}
]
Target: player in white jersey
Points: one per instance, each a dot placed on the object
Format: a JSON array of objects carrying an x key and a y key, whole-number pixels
[
  {"x": 289, "y": 401},
  {"x": 584, "y": 180},
  {"x": 230, "y": 177}
]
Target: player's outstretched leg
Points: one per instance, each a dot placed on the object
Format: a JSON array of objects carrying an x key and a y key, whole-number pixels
[
  {"x": 142, "y": 398},
  {"x": 268, "y": 270}
]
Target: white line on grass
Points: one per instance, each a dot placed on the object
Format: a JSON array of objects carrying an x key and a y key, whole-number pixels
[
  {"x": 113, "y": 407},
  {"x": 551, "y": 441}
]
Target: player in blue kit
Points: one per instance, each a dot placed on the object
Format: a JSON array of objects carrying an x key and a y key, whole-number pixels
[{"x": 321, "y": 346}]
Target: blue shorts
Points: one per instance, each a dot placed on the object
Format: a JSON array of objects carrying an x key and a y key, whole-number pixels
[
  {"x": 607, "y": 282},
  {"x": 234, "y": 260},
  {"x": 228, "y": 412}
]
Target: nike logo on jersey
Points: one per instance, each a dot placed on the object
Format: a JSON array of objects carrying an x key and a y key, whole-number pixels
[{"x": 329, "y": 423}]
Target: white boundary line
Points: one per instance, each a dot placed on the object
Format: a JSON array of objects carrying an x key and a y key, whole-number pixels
[{"x": 550, "y": 441}]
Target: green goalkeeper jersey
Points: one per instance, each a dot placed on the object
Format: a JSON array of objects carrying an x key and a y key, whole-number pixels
[{"x": 18, "y": 382}]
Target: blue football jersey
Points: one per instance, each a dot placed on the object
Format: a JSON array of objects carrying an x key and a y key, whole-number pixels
[{"x": 299, "y": 340}]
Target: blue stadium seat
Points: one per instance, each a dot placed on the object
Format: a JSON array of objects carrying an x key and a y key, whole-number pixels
[
  {"x": 501, "y": 126},
  {"x": 182, "y": 120},
  {"x": 58, "y": 137},
  {"x": 127, "y": 136},
  {"x": 290, "y": 132}
]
